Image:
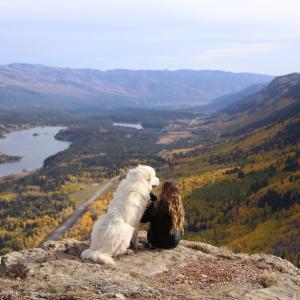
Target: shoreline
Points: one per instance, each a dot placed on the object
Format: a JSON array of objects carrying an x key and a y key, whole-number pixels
[
  {"x": 19, "y": 127},
  {"x": 16, "y": 176},
  {"x": 26, "y": 126},
  {"x": 7, "y": 158}
]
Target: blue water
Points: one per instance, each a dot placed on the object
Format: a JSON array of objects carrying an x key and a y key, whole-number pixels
[
  {"x": 131, "y": 125},
  {"x": 33, "y": 149}
]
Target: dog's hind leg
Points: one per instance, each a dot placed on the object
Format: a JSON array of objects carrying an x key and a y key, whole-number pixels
[{"x": 134, "y": 240}]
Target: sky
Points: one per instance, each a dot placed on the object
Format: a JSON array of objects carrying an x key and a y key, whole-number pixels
[{"x": 261, "y": 36}]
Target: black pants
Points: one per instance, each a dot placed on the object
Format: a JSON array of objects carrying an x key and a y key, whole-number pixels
[{"x": 163, "y": 241}]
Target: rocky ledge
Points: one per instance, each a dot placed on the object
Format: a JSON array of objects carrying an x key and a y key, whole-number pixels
[{"x": 191, "y": 271}]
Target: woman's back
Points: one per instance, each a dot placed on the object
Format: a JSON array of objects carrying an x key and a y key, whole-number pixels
[{"x": 160, "y": 232}]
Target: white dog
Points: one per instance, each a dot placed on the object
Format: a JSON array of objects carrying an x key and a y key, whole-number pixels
[{"x": 113, "y": 232}]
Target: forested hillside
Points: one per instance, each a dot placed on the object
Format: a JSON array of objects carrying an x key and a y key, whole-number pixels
[{"x": 243, "y": 191}]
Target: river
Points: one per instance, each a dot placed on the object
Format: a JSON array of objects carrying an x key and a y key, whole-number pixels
[{"x": 34, "y": 145}]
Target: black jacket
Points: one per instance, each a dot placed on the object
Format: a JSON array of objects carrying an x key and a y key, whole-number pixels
[{"x": 160, "y": 226}]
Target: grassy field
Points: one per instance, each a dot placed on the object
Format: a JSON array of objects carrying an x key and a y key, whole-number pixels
[{"x": 84, "y": 194}]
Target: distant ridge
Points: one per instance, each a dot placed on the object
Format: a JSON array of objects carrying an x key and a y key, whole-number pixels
[
  {"x": 224, "y": 101},
  {"x": 276, "y": 102},
  {"x": 27, "y": 85}
]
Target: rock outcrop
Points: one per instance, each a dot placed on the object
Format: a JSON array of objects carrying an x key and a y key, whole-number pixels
[{"x": 191, "y": 271}]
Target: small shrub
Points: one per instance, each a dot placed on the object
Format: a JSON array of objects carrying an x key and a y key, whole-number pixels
[{"x": 267, "y": 280}]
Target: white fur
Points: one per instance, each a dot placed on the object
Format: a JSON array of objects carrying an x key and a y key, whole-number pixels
[{"x": 113, "y": 231}]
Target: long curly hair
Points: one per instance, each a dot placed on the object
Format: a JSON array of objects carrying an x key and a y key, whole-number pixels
[{"x": 171, "y": 198}]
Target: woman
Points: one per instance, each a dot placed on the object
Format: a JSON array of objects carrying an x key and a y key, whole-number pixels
[{"x": 166, "y": 216}]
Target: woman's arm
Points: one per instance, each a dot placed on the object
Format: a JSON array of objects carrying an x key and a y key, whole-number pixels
[{"x": 149, "y": 213}]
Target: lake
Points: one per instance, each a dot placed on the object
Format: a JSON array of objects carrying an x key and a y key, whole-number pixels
[
  {"x": 131, "y": 125},
  {"x": 33, "y": 145}
]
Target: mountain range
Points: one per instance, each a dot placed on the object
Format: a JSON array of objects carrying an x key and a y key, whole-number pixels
[{"x": 26, "y": 85}]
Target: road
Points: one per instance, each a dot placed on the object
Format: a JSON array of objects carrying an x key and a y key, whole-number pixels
[{"x": 67, "y": 224}]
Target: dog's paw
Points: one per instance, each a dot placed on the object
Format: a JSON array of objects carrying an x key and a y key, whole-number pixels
[
  {"x": 138, "y": 246},
  {"x": 128, "y": 252}
]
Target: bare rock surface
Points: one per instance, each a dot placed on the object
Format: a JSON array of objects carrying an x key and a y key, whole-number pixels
[{"x": 191, "y": 271}]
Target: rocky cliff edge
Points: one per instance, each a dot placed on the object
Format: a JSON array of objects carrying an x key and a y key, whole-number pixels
[{"x": 191, "y": 271}]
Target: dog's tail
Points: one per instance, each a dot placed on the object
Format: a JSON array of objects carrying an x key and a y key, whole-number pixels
[{"x": 98, "y": 257}]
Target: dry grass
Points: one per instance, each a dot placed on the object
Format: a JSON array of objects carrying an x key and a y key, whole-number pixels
[
  {"x": 83, "y": 195},
  {"x": 172, "y": 137},
  {"x": 267, "y": 279}
]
